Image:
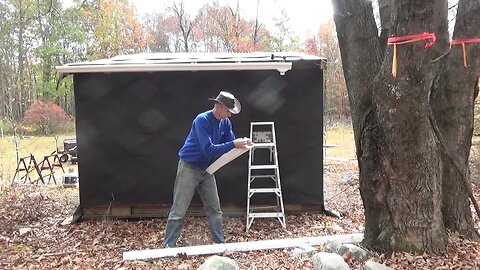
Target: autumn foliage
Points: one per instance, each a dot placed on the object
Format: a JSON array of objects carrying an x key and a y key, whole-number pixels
[{"x": 47, "y": 117}]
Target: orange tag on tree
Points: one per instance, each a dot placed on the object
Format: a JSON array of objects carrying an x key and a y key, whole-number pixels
[
  {"x": 463, "y": 42},
  {"x": 428, "y": 38}
]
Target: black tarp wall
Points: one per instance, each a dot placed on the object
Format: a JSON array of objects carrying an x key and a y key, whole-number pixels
[{"x": 130, "y": 127}]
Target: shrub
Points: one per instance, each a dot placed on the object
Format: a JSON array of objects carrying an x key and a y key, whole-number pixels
[{"x": 46, "y": 116}]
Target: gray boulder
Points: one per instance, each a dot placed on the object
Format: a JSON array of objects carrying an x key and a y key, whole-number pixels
[
  {"x": 329, "y": 261},
  {"x": 219, "y": 263},
  {"x": 302, "y": 250},
  {"x": 353, "y": 251},
  {"x": 332, "y": 246}
]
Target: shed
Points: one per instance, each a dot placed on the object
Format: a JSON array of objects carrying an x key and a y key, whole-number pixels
[{"x": 133, "y": 113}]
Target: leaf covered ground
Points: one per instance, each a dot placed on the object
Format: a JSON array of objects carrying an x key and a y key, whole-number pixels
[{"x": 32, "y": 235}]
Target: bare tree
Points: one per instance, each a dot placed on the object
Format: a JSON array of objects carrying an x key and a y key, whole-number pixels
[
  {"x": 256, "y": 28},
  {"x": 185, "y": 24}
]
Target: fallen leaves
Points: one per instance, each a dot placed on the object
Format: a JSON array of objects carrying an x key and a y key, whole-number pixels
[{"x": 33, "y": 234}]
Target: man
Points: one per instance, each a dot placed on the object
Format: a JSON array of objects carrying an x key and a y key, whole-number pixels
[{"x": 210, "y": 137}]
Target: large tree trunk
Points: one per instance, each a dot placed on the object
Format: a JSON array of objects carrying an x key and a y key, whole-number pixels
[
  {"x": 409, "y": 152},
  {"x": 399, "y": 148},
  {"x": 361, "y": 58},
  {"x": 452, "y": 100}
]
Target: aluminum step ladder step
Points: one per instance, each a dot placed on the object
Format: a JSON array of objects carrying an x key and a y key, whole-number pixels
[
  {"x": 265, "y": 190},
  {"x": 263, "y": 145},
  {"x": 252, "y": 177},
  {"x": 263, "y": 167},
  {"x": 266, "y": 215},
  {"x": 263, "y": 208}
]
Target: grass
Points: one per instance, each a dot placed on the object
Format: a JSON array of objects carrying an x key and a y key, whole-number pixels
[
  {"x": 340, "y": 135},
  {"x": 38, "y": 146}
]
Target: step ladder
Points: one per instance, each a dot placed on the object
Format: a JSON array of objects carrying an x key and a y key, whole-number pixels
[{"x": 263, "y": 175}]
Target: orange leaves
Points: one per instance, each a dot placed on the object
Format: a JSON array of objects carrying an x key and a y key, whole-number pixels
[
  {"x": 115, "y": 29},
  {"x": 224, "y": 28},
  {"x": 99, "y": 244}
]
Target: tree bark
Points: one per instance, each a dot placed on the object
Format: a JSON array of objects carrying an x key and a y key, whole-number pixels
[
  {"x": 20, "y": 84},
  {"x": 402, "y": 160},
  {"x": 409, "y": 153},
  {"x": 361, "y": 59},
  {"x": 452, "y": 100}
]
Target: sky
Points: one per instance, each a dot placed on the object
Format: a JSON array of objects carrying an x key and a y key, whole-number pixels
[{"x": 305, "y": 15}]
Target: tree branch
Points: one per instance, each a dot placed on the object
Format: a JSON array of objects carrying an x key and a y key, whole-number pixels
[{"x": 450, "y": 157}]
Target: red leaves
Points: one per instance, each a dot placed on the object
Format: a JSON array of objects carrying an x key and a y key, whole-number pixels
[
  {"x": 311, "y": 46},
  {"x": 46, "y": 116},
  {"x": 39, "y": 111}
]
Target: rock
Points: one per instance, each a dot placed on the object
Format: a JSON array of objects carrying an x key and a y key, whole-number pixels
[
  {"x": 25, "y": 230},
  {"x": 329, "y": 261},
  {"x": 338, "y": 228},
  {"x": 353, "y": 251},
  {"x": 219, "y": 263},
  {"x": 302, "y": 250},
  {"x": 67, "y": 221},
  {"x": 332, "y": 246},
  {"x": 184, "y": 266},
  {"x": 376, "y": 266}
]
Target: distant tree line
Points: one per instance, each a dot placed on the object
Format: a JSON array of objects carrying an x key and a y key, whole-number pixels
[{"x": 37, "y": 35}]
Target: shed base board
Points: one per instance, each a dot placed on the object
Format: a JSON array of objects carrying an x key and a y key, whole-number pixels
[{"x": 143, "y": 211}]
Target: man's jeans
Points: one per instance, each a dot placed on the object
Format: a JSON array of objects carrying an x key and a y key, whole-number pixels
[{"x": 189, "y": 179}]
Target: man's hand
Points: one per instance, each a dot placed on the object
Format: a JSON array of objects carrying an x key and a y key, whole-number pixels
[{"x": 242, "y": 143}]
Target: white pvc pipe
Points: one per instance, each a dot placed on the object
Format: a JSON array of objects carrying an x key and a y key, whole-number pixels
[{"x": 242, "y": 246}]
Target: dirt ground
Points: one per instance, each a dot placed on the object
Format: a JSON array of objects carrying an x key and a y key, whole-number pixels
[{"x": 32, "y": 235}]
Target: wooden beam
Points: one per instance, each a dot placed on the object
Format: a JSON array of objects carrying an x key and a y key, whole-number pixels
[
  {"x": 157, "y": 210},
  {"x": 121, "y": 211},
  {"x": 238, "y": 247}
]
